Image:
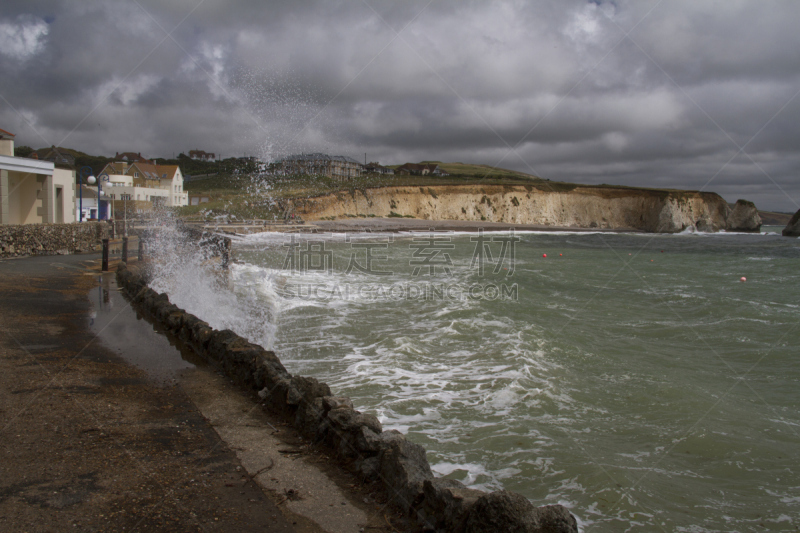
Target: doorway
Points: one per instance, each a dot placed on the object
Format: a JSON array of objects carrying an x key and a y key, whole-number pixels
[{"x": 59, "y": 205}]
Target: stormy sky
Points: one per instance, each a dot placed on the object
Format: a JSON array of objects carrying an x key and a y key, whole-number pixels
[{"x": 694, "y": 94}]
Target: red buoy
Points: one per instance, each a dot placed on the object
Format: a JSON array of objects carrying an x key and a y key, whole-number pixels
[
  {"x": 544, "y": 255},
  {"x": 743, "y": 278}
]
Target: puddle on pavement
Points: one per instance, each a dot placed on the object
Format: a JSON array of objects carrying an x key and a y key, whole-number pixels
[{"x": 138, "y": 341}]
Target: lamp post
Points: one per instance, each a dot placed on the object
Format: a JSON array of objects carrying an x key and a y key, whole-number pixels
[
  {"x": 125, "y": 198},
  {"x": 85, "y": 172},
  {"x": 100, "y": 179}
]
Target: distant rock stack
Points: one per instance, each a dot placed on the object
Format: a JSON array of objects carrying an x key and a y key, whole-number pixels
[
  {"x": 792, "y": 229},
  {"x": 744, "y": 217}
]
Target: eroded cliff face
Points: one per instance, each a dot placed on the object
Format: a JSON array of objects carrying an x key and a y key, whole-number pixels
[
  {"x": 581, "y": 207},
  {"x": 744, "y": 217},
  {"x": 792, "y": 229}
]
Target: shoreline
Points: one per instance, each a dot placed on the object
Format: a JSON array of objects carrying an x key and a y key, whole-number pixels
[
  {"x": 93, "y": 440},
  {"x": 394, "y": 225},
  {"x": 376, "y": 455}
]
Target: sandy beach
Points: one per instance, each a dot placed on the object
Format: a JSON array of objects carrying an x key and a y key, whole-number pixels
[{"x": 377, "y": 224}]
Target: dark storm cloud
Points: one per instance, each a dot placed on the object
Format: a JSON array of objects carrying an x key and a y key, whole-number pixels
[{"x": 649, "y": 93}]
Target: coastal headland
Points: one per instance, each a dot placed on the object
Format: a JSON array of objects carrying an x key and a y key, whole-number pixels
[{"x": 576, "y": 207}]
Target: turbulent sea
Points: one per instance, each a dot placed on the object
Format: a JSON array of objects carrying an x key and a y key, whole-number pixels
[{"x": 633, "y": 378}]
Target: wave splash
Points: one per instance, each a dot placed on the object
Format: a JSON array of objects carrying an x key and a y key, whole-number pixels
[{"x": 195, "y": 281}]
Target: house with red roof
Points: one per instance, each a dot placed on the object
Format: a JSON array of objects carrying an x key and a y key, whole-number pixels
[
  {"x": 421, "y": 169},
  {"x": 132, "y": 157},
  {"x": 200, "y": 155},
  {"x": 145, "y": 182}
]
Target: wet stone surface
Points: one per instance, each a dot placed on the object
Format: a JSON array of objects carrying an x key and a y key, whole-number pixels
[
  {"x": 89, "y": 442},
  {"x": 124, "y": 331}
]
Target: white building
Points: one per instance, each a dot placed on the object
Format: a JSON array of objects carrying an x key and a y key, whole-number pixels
[
  {"x": 86, "y": 200},
  {"x": 172, "y": 178},
  {"x": 33, "y": 191},
  {"x": 140, "y": 198},
  {"x": 144, "y": 182},
  {"x": 201, "y": 155}
]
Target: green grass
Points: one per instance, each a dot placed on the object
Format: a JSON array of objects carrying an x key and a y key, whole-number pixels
[
  {"x": 481, "y": 171},
  {"x": 264, "y": 196}
]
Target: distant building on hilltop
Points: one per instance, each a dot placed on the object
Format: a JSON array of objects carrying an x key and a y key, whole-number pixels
[
  {"x": 421, "y": 169},
  {"x": 200, "y": 155},
  {"x": 375, "y": 168},
  {"x": 332, "y": 166},
  {"x": 131, "y": 157},
  {"x": 55, "y": 155},
  {"x": 197, "y": 199}
]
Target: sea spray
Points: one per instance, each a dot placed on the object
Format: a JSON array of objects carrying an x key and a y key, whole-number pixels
[{"x": 195, "y": 281}]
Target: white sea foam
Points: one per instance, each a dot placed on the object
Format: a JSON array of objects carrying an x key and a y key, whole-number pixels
[
  {"x": 195, "y": 283},
  {"x": 522, "y": 395}
]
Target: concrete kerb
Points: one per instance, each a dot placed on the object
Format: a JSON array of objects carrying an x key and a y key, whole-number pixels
[{"x": 358, "y": 438}]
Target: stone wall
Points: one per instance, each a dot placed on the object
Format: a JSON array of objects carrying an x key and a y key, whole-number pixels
[
  {"x": 358, "y": 438},
  {"x": 51, "y": 239}
]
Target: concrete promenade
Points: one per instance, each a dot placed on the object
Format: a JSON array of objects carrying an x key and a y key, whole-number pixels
[{"x": 95, "y": 437}]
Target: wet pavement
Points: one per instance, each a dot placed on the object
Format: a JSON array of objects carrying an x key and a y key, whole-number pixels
[
  {"x": 109, "y": 424},
  {"x": 89, "y": 442},
  {"x": 127, "y": 333}
]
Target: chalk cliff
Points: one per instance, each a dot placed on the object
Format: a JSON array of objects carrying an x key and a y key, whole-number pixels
[
  {"x": 744, "y": 217},
  {"x": 572, "y": 206},
  {"x": 792, "y": 229}
]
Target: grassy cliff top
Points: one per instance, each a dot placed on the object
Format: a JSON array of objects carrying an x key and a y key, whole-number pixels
[
  {"x": 480, "y": 171},
  {"x": 261, "y": 196}
]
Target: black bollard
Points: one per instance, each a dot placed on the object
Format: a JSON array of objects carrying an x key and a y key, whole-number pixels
[
  {"x": 226, "y": 253},
  {"x": 105, "y": 255},
  {"x": 124, "y": 249},
  {"x": 141, "y": 249}
]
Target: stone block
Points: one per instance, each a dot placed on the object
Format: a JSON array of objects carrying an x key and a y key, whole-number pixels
[
  {"x": 334, "y": 402},
  {"x": 404, "y": 468},
  {"x": 446, "y": 504},
  {"x": 508, "y": 511}
]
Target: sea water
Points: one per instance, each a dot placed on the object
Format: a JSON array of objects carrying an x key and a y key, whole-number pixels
[{"x": 634, "y": 378}]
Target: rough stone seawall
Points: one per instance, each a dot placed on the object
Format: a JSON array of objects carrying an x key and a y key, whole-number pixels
[
  {"x": 50, "y": 239},
  {"x": 580, "y": 207},
  {"x": 358, "y": 438}
]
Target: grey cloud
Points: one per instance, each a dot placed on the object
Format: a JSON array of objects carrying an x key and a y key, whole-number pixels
[{"x": 668, "y": 105}]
